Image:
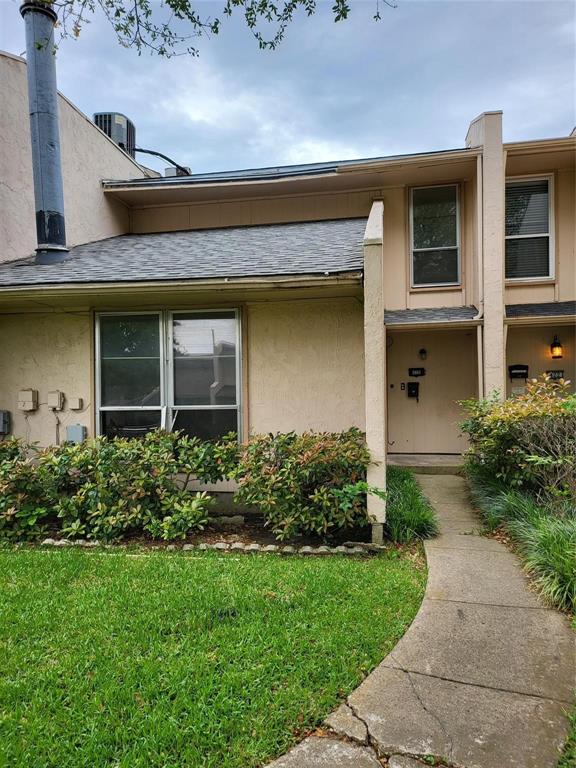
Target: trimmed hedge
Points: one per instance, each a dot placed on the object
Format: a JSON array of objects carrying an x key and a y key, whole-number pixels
[
  {"x": 305, "y": 483},
  {"x": 107, "y": 489}
]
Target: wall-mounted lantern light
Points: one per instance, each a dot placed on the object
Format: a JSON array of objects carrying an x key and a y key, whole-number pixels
[
  {"x": 556, "y": 348},
  {"x": 422, "y": 354}
]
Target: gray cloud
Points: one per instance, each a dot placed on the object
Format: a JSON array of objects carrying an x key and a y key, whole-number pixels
[{"x": 411, "y": 82}]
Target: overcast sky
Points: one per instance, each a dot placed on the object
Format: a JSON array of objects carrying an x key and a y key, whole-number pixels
[{"x": 408, "y": 83}]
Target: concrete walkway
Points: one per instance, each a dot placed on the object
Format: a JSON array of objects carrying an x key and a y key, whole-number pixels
[{"x": 482, "y": 678}]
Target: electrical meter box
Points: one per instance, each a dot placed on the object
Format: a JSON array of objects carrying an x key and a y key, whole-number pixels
[
  {"x": 4, "y": 423},
  {"x": 28, "y": 400},
  {"x": 56, "y": 400},
  {"x": 76, "y": 433}
]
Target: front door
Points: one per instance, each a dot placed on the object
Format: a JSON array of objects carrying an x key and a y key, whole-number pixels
[{"x": 423, "y": 412}]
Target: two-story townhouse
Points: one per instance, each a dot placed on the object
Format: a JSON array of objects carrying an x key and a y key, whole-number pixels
[{"x": 375, "y": 293}]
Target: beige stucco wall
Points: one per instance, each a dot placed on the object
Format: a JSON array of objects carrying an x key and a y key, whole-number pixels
[
  {"x": 305, "y": 365},
  {"x": 530, "y": 346},
  {"x": 430, "y": 425},
  {"x": 45, "y": 352},
  {"x": 88, "y": 156}
]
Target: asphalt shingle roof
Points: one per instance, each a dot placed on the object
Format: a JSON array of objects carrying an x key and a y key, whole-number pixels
[
  {"x": 434, "y": 315},
  {"x": 308, "y": 248},
  {"x": 546, "y": 309}
]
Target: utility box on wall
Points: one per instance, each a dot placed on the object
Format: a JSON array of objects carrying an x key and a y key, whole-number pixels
[
  {"x": 28, "y": 400},
  {"x": 76, "y": 433}
]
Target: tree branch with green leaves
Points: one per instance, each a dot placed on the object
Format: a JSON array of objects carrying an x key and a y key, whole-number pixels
[{"x": 172, "y": 27}]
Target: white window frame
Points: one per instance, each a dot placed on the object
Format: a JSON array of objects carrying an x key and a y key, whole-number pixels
[
  {"x": 456, "y": 247},
  {"x": 167, "y": 408},
  {"x": 551, "y": 229}
]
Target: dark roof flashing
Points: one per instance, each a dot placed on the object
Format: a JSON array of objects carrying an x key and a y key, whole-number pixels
[
  {"x": 431, "y": 316},
  {"x": 542, "y": 309}
]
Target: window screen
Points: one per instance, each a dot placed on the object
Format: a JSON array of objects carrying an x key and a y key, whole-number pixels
[
  {"x": 435, "y": 246},
  {"x": 527, "y": 229}
]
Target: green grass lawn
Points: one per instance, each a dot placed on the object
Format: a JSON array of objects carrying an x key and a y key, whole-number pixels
[{"x": 133, "y": 658}]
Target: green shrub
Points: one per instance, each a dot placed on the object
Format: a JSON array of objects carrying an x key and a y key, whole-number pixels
[
  {"x": 207, "y": 461},
  {"x": 409, "y": 515},
  {"x": 527, "y": 441},
  {"x": 305, "y": 483},
  {"x": 548, "y": 547},
  {"x": 544, "y": 534},
  {"x": 24, "y": 506},
  {"x": 316, "y": 483},
  {"x": 187, "y": 513},
  {"x": 11, "y": 448},
  {"x": 107, "y": 489}
]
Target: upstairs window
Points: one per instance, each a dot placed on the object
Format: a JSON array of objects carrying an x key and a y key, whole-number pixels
[
  {"x": 435, "y": 232},
  {"x": 528, "y": 228}
]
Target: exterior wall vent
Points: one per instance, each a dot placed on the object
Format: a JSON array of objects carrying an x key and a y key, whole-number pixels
[{"x": 119, "y": 128}]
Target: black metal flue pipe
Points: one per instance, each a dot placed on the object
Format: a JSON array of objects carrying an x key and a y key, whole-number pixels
[{"x": 40, "y": 18}]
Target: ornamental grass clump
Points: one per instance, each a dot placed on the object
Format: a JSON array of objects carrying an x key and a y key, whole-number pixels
[{"x": 409, "y": 515}]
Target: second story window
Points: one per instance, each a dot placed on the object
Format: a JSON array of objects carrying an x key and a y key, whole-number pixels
[
  {"x": 528, "y": 228},
  {"x": 435, "y": 235}
]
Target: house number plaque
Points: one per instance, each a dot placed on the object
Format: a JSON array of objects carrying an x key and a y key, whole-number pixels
[{"x": 416, "y": 371}]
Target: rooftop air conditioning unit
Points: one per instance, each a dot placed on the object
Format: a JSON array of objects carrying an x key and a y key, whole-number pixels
[{"x": 119, "y": 128}]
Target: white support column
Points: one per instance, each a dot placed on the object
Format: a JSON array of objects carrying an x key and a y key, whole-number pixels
[
  {"x": 486, "y": 132},
  {"x": 375, "y": 362}
]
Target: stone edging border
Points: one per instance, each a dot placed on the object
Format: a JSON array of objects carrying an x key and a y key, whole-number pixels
[{"x": 348, "y": 548}]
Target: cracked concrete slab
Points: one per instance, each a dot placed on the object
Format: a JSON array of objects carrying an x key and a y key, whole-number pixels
[
  {"x": 396, "y": 719},
  {"x": 345, "y": 722},
  {"x": 466, "y": 725},
  {"x": 316, "y": 752},
  {"x": 491, "y": 577},
  {"x": 514, "y": 649}
]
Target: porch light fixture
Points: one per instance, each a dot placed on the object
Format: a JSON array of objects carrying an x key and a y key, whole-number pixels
[
  {"x": 556, "y": 348},
  {"x": 422, "y": 354}
]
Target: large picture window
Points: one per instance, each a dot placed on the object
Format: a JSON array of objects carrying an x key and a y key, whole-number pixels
[
  {"x": 528, "y": 228},
  {"x": 177, "y": 370},
  {"x": 435, "y": 233}
]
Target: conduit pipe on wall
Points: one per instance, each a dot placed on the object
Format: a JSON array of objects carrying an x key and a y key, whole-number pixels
[{"x": 39, "y": 19}]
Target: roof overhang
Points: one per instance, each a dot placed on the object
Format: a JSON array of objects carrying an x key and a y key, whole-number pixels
[
  {"x": 42, "y": 298},
  {"x": 366, "y": 175},
  {"x": 542, "y": 320}
]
